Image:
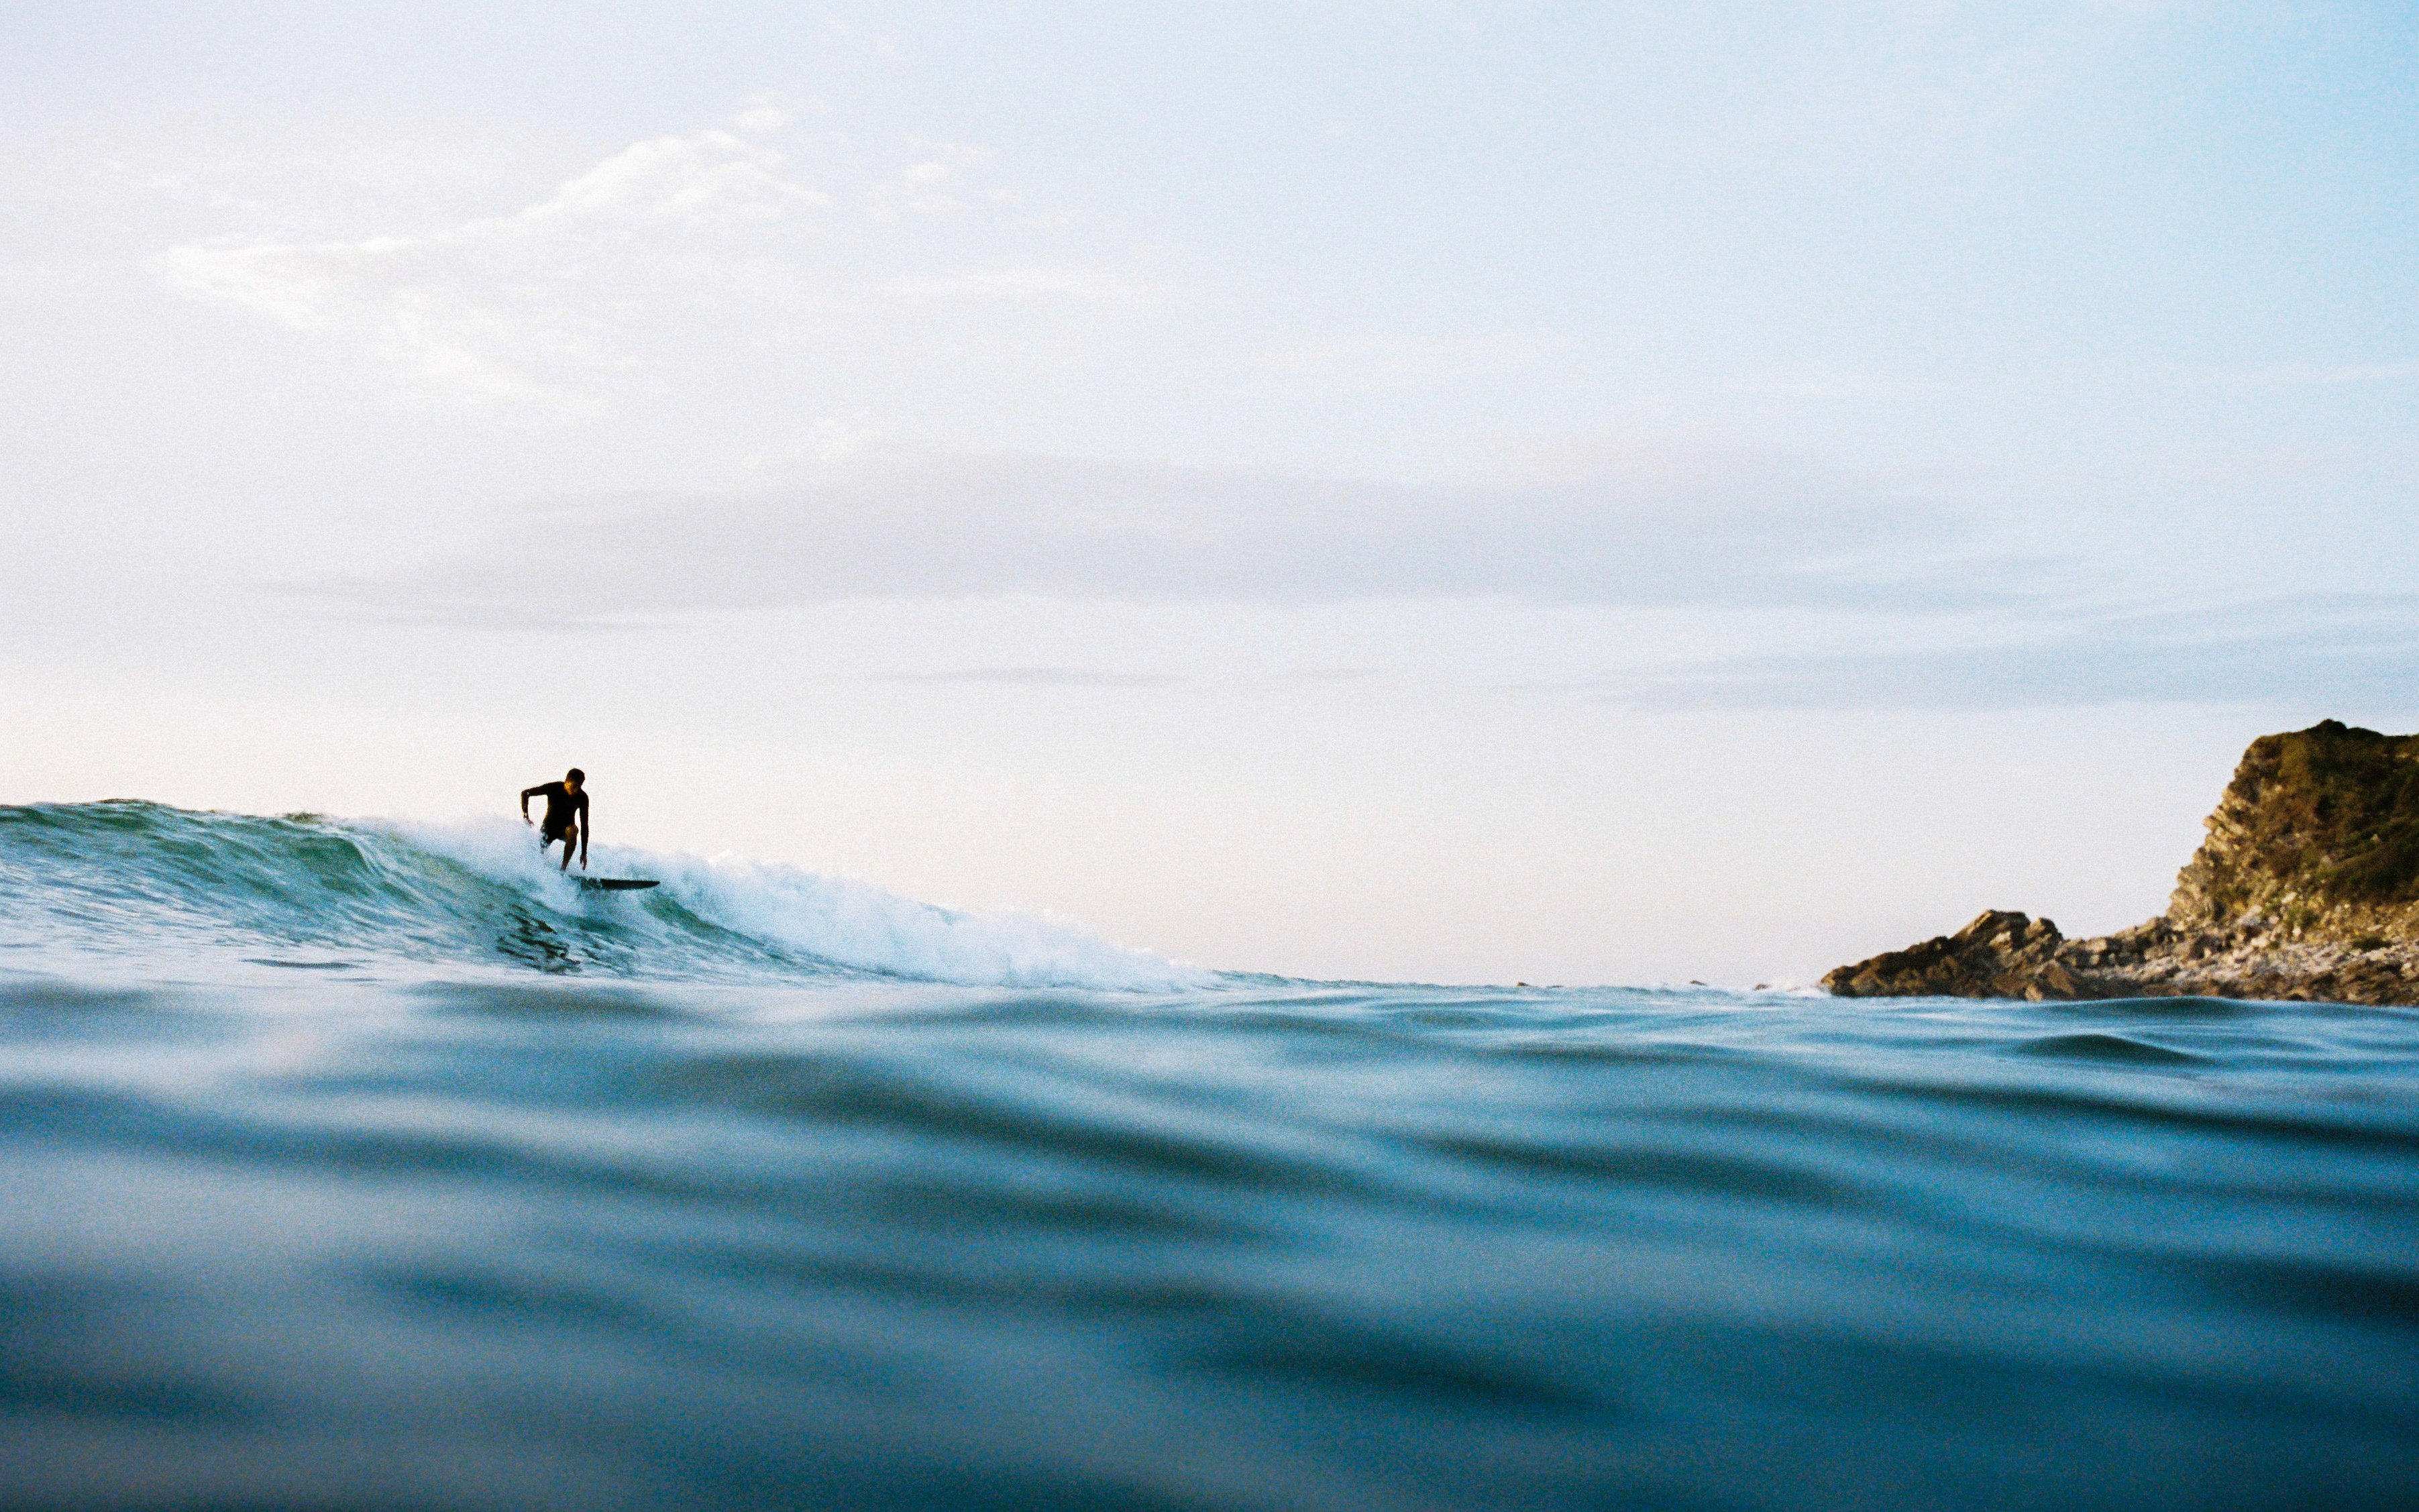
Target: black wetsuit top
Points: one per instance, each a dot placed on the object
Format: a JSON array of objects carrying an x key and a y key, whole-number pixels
[{"x": 561, "y": 804}]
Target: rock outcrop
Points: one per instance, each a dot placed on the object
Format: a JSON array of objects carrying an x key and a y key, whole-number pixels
[{"x": 2308, "y": 888}]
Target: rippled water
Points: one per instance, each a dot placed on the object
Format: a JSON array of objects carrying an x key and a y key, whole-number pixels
[{"x": 634, "y": 1221}]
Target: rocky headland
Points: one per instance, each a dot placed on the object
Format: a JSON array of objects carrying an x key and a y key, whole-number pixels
[{"x": 2308, "y": 888}]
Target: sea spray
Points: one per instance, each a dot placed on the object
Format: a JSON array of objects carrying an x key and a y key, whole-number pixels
[
  {"x": 836, "y": 921},
  {"x": 154, "y": 880}
]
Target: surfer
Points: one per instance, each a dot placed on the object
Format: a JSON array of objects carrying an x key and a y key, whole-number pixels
[{"x": 566, "y": 815}]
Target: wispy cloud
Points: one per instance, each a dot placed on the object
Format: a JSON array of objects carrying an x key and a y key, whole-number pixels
[
  {"x": 713, "y": 241},
  {"x": 934, "y": 186},
  {"x": 498, "y": 308},
  {"x": 1038, "y": 677},
  {"x": 889, "y": 522},
  {"x": 2343, "y": 652}
]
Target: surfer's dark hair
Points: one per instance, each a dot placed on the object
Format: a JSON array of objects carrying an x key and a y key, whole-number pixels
[{"x": 574, "y": 775}]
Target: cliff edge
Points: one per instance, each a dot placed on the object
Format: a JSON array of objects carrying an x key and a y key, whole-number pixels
[{"x": 2308, "y": 888}]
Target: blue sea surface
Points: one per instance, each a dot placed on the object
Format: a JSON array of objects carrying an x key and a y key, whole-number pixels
[{"x": 368, "y": 1166}]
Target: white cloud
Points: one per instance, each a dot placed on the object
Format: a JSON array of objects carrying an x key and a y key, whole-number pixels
[
  {"x": 703, "y": 260},
  {"x": 763, "y": 114},
  {"x": 521, "y": 306},
  {"x": 931, "y": 186}
]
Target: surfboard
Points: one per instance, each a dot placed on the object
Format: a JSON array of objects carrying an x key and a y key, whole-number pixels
[{"x": 616, "y": 884}]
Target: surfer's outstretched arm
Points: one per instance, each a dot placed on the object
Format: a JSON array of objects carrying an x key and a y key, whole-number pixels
[
  {"x": 527, "y": 794},
  {"x": 586, "y": 823}
]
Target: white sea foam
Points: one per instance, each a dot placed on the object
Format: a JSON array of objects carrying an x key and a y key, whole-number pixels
[{"x": 838, "y": 919}]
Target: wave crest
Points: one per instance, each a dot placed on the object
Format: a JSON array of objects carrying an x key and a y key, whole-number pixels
[{"x": 127, "y": 877}]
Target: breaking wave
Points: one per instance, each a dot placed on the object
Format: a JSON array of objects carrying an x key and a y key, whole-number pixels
[{"x": 148, "y": 880}]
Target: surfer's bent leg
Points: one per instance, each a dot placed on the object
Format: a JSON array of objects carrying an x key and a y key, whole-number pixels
[{"x": 570, "y": 842}]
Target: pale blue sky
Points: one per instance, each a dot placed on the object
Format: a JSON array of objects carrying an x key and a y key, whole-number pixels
[{"x": 1605, "y": 492}]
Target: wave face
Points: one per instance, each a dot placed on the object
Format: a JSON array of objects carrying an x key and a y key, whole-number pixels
[
  {"x": 364, "y": 1166},
  {"x": 152, "y": 882}
]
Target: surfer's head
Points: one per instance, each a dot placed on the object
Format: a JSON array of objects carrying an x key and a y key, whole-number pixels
[{"x": 574, "y": 777}]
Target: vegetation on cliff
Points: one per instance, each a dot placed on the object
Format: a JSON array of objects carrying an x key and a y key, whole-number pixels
[
  {"x": 2318, "y": 834},
  {"x": 2307, "y": 887}
]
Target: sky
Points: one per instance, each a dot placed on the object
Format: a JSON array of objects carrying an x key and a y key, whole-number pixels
[{"x": 1574, "y": 493}]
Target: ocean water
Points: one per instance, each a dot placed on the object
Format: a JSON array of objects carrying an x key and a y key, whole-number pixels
[{"x": 359, "y": 1165}]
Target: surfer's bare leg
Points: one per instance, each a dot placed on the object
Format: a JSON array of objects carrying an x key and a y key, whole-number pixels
[{"x": 570, "y": 842}]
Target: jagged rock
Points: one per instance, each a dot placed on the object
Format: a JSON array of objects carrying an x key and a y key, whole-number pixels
[
  {"x": 2307, "y": 887},
  {"x": 1997, "y": 950},
  {"x": 2316, "y": 838}
]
